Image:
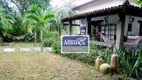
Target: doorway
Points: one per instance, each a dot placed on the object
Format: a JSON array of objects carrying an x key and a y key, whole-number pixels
[
  {"x": 96, "y": 25},
  {"x": 140, "y": 29}
]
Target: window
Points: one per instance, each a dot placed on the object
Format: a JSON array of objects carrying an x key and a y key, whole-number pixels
[
  {"x": 109, "y": 31},
  {"x": 83, "y": 30},
  {"x": 129, "y": 27}
]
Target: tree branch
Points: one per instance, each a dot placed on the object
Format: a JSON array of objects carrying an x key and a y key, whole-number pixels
[{"x": 16, "y": 5}]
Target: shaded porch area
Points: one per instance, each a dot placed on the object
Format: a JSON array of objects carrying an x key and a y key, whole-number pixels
[{"x": 121, "y": 24}]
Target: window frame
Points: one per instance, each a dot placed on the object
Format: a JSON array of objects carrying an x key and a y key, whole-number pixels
[{"x": 107, "y": 30}]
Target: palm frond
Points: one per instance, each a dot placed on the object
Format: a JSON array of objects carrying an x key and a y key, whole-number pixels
[
  {"x": 33, "y": 17},
  {"x": 66, "y": 9},
  {"x": 48, "y": 16},
  {"x": 36, "y": 9},
  {"x": 139, "y": 2}
]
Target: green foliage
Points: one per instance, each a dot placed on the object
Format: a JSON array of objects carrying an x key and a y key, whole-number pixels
[
  {"x": 50, "y": 34},
  {"x": 19, "y": 26},
  {"x": 33, "y": 16},
  {"x": 50, "y": 38},
  {"x": 57, "y": 46},
  {"x": 48, "y": 42},
  {"x": 88, "y": 58},
  {"x": 139, "y": 2},
  {"x": 5, "y": 5},
  {"x": 23, "y": 5},
  {"x": 41, "y": 18},
  {"x": 5, "y": 25},
  {"x": 130, "y": 63},
  {"x": 29, "y": 38}
]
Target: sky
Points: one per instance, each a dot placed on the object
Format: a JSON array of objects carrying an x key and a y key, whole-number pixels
[{"x": 57, "y": 3}]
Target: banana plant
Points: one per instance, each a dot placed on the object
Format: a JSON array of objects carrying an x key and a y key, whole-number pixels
[{"x": 41, "y": 18}]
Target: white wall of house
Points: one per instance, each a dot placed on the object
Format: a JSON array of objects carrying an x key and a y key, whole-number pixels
[
  {"x": 135, "y": 25},
  {"x": 84, "y": 23},
  {"x": 101, "y": 4},
  {"x": 114, "y": 19},
  {"x": 111, "y": 18}
]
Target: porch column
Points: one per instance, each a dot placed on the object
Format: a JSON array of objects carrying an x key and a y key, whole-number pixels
[
  {"x": 120, "y": 32},
  {"x": 70, "y": 27},
  {"x": 89, "y": 25}
]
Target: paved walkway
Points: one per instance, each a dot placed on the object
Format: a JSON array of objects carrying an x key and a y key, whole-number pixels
[{"x": 36, "y": 49}]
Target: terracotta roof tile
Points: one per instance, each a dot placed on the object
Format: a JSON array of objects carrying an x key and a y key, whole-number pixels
[{"x": 111, "y": 10}]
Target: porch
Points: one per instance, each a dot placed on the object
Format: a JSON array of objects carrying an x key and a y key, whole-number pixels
[{"x": 119, "y": 24}]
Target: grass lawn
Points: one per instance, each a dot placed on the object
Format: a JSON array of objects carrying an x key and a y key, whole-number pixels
[{"x": 44, "y": 66}]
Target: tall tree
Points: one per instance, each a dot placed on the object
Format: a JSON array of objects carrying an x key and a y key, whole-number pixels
[
  {"x": 41, "y": 18},
  {"x": 63, "y": 11},
  {"x": 4, "y": 4},
  {"x": 5, "y": 25},
  {"x": 66, "y": 9},
  {"x": 56, "y": 24},
  {"x": 23, "y": 5}
]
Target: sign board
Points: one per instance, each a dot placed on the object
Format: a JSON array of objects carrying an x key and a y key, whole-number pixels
[{"x": 75, "y": 44}]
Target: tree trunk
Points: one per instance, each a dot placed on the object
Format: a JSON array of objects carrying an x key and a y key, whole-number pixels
[
  {"x": 59, "y": 31},
  {"x": 35, "y": 35},
  {"x": 41, "y": 39}
]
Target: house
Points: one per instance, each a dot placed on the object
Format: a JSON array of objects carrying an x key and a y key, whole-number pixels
[
  {"x": 117, "y": 20},
  {"x": 100, "y": 4}
]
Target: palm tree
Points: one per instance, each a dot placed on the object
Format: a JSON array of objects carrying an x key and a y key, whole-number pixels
[
  {"x": 66, "y": 9},
  {"x": 19, "y": 24},
  {"x": 56, "y": 24},
  {"x": 41, "y": 18},
  {"x": 30, "y": 27}
]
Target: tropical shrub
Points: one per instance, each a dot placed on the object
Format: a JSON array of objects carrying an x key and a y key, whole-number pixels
[
  {"x": 50, "y": 37},
  {"x": 29, "y": 38},
  {"x": 88, "y": 58},
  {"x": 50, "y": 34},
  {"x": 48, "y": 42},
  {"x": 130, "y": 63},
  {"x": 57, "y": 46}
]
